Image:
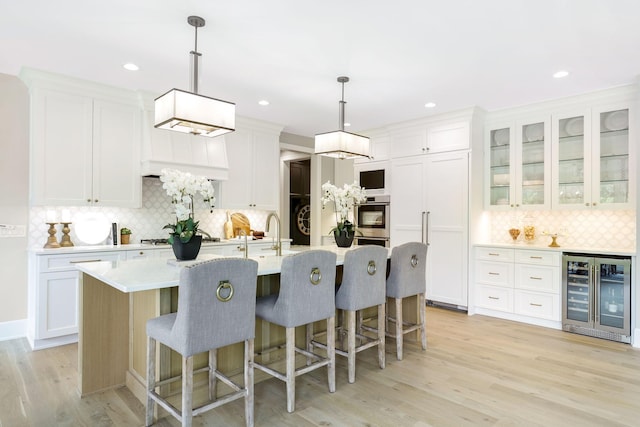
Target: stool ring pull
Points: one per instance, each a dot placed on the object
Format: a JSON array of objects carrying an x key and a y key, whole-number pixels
[
  {"x": 414, "y": 261},
  {"x": 315, "y": 277},
  {"x": 371, "y": 268},
  {"x": 224, "y": 285}
]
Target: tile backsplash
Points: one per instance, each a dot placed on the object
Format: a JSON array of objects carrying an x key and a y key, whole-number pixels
[
  {"x": 145, "y": 222},
  {"x": 614, "y": 229}
]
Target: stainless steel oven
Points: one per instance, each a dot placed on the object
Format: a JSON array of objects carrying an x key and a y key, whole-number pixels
[{"x": 372, "y": 221}]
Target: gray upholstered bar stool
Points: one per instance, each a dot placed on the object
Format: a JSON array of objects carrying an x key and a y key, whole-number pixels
[
  {"x": 216, "y": 308},
  {"x": 363, "y": 286},
  {"x": 307, "y": 295},
  {"x": 407, "y": 277}
]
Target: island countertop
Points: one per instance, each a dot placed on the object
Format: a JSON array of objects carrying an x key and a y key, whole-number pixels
[{"x": 156, "y": 273}]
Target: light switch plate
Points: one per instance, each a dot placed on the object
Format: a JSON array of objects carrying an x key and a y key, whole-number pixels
[{"x": 7, "y": 230}]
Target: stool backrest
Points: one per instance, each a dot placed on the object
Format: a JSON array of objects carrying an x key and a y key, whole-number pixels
[
  {"x": 216, "y": 304},
  {"x": 307, "y": 287},
  {"x": 407, "y": 273},
  {"x": 363, "y": 278}
]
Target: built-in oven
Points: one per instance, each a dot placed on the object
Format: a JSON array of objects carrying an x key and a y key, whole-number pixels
[{"x": 372, "y": 221}]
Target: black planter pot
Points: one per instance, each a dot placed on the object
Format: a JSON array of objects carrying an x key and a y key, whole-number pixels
[
  {"x": 342, "y": 239},
  {"x": 186, "y": 251}
]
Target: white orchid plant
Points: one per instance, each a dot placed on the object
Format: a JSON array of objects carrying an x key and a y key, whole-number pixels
[
  {"x": 344, "y": 200},
  {"x": 182, "y": 187}
]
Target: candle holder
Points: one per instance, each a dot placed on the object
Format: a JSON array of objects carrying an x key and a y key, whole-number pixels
[
  {"x": 51, "y": 241},
  {"x": 66, "y": 239}
]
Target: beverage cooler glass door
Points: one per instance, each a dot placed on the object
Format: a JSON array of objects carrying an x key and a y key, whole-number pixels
[
  {"x": 576, "y": 280},
  {"x": 613, "y": 295}
]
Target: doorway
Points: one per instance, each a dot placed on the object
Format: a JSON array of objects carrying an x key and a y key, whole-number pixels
[{"x": 300, "y": 202}]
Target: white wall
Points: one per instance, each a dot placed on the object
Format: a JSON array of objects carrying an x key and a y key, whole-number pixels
[{"x": 14, "y": 200}]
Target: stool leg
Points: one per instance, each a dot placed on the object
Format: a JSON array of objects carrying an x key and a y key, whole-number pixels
[
  {"x": 151, "y": 379},
  {"x": 331, "y": 352},
  {"x": 381, "y": 336},
  {"x": 423, "y": 323},
  {"x": 187, "y": 391},
  {"x": 308, "y": 336},
  {"x": 248, "y": 382},
  {"x": 399, "y": 331},
  {"x": 351, "y": 344},
  {"x": 213, "y": 365},
  {"x": 291, "y": 368},
  {"x": 344, "y": 329}
]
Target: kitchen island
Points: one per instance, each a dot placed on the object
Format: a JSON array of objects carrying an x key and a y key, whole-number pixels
[{"x": 118, "y": 297}]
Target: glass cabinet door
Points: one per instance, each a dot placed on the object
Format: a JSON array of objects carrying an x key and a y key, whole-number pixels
[
  {"x": 611, "y": 183},
  {"x": 500, "y": 153},
  {"x": 533, "y": 175},
  {"x": 572, "y": 187},
  {"x": 614, "y": 291}
]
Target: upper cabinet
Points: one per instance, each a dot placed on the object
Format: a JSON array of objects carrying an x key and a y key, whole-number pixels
[
  {"x": 518, "y": 171},
  {"x": 85, "y": 143},
  {"x": 254, "y": 173},
  {"x": 593, "y": 159}
]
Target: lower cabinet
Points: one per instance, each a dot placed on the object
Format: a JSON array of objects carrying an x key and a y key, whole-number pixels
[
  {"x": 518, "y": 284},
  {"x": 53, "y": 297}
]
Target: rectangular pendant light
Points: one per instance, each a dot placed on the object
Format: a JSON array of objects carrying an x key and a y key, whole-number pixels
[
  {"x": 342, "y": 145},
  {"x": 189, "y": 112}
]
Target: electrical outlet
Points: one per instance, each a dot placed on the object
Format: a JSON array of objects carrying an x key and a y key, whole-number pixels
[{"x": 7, "y": 230}]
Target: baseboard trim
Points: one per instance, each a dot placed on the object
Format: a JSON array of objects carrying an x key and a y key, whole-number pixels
[
  {"x": 13, "y": 329},
  {"x": 519, "y": 318},
  {"x": 635, "y": 339}
]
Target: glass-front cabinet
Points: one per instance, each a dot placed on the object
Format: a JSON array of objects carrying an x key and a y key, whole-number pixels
[
  {"x": 519, "y": 165},
  {"x": 591, "y": 159}
]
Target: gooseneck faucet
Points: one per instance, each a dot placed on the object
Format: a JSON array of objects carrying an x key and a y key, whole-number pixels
[
  {"x": 246, "y": 245},
  {"x": 277, "y": 246}
]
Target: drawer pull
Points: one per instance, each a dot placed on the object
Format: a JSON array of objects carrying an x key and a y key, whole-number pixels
[
  {"x": 535, "y": 278},
  {"x": 535, "y": 305},
  {"x": 85, "y": 260},
  {"x": 492, "y": 254},
  {"x": 490, "y": 297},
  {"x": 535, "y": 257},
  {"x": 494, "y": 274}
]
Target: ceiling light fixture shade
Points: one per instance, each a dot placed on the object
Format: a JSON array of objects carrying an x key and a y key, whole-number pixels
[
  {"x": 340, "y": 144},
  {"x": 189, "y": 112}
]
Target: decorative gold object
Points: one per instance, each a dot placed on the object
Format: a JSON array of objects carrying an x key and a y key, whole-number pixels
[
  {"x": 66, "y": 239},
  {"x": 514, "y": 232},
  {"x": 553, "y": 243},
  {"x": 52, "y": 242},
  {"x": 529, "y": 233}
]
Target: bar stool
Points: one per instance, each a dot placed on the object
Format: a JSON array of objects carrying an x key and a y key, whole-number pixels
[
  {"x": 407, "y": 277},
  {"x": 363, "y": 286},
  {"x": 307, "y": 295},
  {"x": 216, "y": 308}
]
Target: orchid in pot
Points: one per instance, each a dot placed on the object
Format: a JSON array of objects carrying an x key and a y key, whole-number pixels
[
  {"x": 344, "y": 199},
  {"x": 182, "y": 187}
]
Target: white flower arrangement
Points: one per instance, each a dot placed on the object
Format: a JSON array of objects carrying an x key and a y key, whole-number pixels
[
  {"x": 344, "y": 200},
  {"x": 182, "y": 187}
]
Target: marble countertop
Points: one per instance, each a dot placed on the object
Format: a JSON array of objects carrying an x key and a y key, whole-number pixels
[
  {"x": 156, "y": 273},
  {"x": 544, "y": 247}
]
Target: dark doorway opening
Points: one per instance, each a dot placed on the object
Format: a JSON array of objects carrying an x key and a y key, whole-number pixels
[{"x": 300, "y": 202}]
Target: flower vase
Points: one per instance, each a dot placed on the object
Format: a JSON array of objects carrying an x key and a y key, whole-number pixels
[
  {"x": 343, "y": 240},
  {"x": 186, "y": 251}
]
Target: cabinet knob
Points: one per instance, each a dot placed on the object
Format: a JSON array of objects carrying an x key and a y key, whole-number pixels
[
  {"x": 141, "y": 253},
  {"x": 586, "y": 204},
  {"x": 517, "y": 205},
  {"x": 95, "y": 201},
  {"x": 88, "y": 200},
  {"x": 594, "y": 203}
]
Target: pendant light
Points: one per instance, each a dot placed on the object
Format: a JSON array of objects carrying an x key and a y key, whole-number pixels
[
  {"x": 190, "y": 112},
  {"x": 341, "y": 144}
]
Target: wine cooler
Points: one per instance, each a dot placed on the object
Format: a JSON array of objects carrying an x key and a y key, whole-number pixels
[{"x": 597, "y": 296}]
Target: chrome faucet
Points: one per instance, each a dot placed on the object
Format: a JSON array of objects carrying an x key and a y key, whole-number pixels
[
  {"x": 246, "y": 245},
  {"x": 277, "y": 246}
]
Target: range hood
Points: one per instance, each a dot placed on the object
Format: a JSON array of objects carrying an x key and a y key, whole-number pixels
[{"x": 188, "y": 153}]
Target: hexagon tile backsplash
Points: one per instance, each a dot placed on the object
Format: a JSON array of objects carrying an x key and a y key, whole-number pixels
[
  {"x": 578, "y": 229},
  {"x": 145, "y": 222}
]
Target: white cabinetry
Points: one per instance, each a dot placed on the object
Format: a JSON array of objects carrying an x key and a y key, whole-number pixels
[
  {"x": 85, "y": 143},
  {"x": 253, "y": 153},
  {"x": 53, "y": 297},
  {"x": 518, "y": 284}
]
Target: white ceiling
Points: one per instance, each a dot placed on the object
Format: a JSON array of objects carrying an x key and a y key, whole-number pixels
[{"x": 399, "y": 54}]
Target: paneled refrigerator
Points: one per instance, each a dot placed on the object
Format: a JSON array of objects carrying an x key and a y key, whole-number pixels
[{"x": 597, "y": 296}]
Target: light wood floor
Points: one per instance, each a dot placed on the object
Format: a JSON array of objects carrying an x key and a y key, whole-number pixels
[{"x": 477, "y": 371}]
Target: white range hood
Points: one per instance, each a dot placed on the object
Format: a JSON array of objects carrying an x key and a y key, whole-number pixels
[{"x": 188, "y": 153}]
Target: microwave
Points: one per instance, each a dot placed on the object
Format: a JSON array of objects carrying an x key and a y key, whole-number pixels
[{"x": 374, "y": 181}]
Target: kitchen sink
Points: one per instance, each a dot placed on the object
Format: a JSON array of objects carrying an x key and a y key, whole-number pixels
[{"x": 270, "y": 253}]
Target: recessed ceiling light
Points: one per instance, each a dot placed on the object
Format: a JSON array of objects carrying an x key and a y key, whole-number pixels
[
  {"x": 263, "y": 102},
  {"x": 560, "y": 74},
  {"x": 131, "y": 67},
  {"x": 430, "y": 104}
]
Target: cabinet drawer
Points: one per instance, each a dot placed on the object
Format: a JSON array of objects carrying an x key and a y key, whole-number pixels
[
  {"x": 494, "y": 254},
  {"x": 538, "y": 257},
  {"x": 495, "y": 298},
  {"x": 537, "y": 304},
  {"x": 50, "y": 263},
  {"x": 494, "y": 273},
  {"x": 537, "y": 278}
]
